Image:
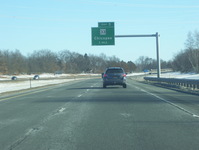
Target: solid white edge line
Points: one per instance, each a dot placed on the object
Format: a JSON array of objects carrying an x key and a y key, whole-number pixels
[{"x": 160, "y": 98}]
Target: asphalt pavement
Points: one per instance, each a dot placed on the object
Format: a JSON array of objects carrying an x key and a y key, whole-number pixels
[{"x": 81, "y": 115}]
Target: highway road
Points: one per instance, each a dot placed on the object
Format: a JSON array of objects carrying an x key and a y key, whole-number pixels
[{"x": 81, "y": 115}]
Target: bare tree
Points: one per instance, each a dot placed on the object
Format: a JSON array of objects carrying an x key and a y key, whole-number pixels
[
  {"x": 12, "y": 62},
  {"x": 43, "y": 61},
  {"x": 192, "y": 50}
]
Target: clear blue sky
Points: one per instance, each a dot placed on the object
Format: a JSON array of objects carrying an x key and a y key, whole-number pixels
[{"x": 57, "y": 25}]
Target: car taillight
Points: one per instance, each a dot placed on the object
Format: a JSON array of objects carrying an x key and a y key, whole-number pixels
[
  {"x": 105, "y": 75},
  {"x": 124, "y": 75}
]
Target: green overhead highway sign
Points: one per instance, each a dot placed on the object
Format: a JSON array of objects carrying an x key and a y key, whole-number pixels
[
  {"x": 106, "y": 24},
  {"x": 104, "y": 34}
]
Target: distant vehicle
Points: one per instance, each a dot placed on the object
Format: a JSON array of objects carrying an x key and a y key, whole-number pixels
[
  {"x": 36, "y": 77},
  {"x": 145, "y": 70},
  {"x": 14, "y": 78},
  {"x": 114, "y": 76}
]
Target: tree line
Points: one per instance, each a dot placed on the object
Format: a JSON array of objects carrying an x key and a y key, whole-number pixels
[
  {"x": 13, "y": 62},
  {"x": 65, "y": 61}
]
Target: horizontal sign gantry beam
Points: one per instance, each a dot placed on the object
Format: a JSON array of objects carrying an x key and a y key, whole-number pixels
[{"x": 146, "y": 35}]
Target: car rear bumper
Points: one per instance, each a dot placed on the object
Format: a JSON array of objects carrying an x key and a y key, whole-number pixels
[{"x": 114, "y": 82}]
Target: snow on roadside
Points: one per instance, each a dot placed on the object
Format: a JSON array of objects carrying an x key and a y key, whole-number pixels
[
  {"x": 25, "y": 84},
  {"x": 135, "y": 74},
  {"x": 15, "y": 86},
  {"x": 45, "y": 75},
  {"x": 179, "y": 75}
]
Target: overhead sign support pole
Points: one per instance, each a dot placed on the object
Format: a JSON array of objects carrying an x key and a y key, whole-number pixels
[
  {"x": 157, "y": 47},
  {"x": 158, "y": 57}
]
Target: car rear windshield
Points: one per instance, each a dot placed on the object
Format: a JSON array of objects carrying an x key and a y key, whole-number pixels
[{"x": 114, "y": 71}]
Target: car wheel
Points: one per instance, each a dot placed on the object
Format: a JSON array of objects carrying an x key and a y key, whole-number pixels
[{"x": 124, "y": 85}]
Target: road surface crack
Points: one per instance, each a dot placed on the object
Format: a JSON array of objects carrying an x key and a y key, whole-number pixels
[{"x": 23, "y": 138}]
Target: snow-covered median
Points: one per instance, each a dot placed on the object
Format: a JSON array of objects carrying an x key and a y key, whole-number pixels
[
  {"x": 177, "y": 75},
  {"x": 15, "y": 86},
  {"x": 6, "y": 85}
]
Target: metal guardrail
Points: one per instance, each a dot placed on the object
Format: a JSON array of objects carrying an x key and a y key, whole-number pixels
[{"x": 188, "y": 83}]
